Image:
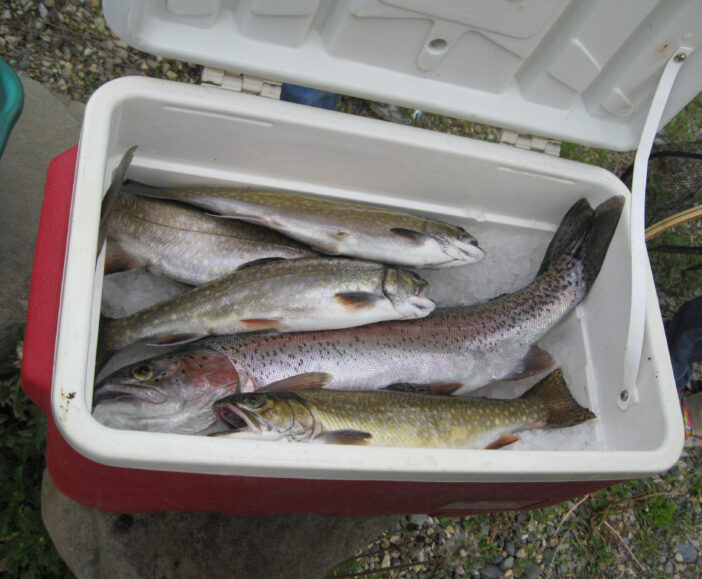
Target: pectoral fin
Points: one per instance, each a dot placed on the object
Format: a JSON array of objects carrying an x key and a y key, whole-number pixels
[
  {"x": 354, "y": 301},
  {"x": 344, "y": 437},
  {"x": 257, "y": 262},
  {"x": 261, "y": 324},
  {"x": 416, "y": 236},
  {"x": 503, "y": 440}
]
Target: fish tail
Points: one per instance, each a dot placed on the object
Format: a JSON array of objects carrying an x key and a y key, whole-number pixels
[
  {"x": 562, "y": 408},
  {"x": 110, "y": 198},
  {"x": 585, "y": 234}
]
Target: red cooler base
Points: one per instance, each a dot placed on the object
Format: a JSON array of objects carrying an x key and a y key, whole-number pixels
[{"x": 137, "y": 491}]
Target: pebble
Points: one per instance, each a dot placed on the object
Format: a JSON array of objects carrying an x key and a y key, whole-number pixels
[
  {"x": 491, "y": 571},
  {"x": 418, "y": 520},
  {"x": 508, "y": 563},
  {"x": 43, "y": 10},
  {"x": 669, "y": 568},
  {"x": 532, "y": 571},
  {"x": 510, "y": 548},
  {"x": 521, "y": 553},
  {"x": 688, "y": 552},
  {"x": 484, "y": 529},
  {"x": 678, "y": 557}
]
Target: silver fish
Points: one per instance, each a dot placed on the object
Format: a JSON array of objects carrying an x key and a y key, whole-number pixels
[
  {"x": 469, "y": 346},
  {"x": 187, "y": 244},
  {"x": 337, "y": 227},
  {"x": 302, "y": 294}
]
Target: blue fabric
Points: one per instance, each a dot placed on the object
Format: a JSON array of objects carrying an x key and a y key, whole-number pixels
[
  {"x": 309, "y": 96},
  {"x": 684, "y": 333}
]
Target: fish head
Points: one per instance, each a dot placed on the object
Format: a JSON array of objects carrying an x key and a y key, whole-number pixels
[
  {"x": 405, "y": 290},
  {"x": 456, "y": 243},
  {"x": 176, "y": 390},
  {"x": 282, "y": 414}
]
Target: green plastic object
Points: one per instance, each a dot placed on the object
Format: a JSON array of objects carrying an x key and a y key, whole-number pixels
[{"x": 11, "y": 101}]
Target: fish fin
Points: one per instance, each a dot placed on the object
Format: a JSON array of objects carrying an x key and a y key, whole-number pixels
[
  {"x": 338, "y": 235},
  {"x": 142, "y": 190},
  {"x": 585, "y": 234},
  {"x": 416, "y": 236},
  {"x": 344, "y": 437},
  {"x": 563, "y": 410},
  {"x": 257, "y": 262},
  {"x": 173, "y": 339},
  {"x": 108, "y": 201},
  {"x": 118, "y": 259},
  {"x": 300, "y": 382},
  {"x": 261, "y": 324},
  {"x": 535, "y": 361},
  {"x": 435, "y": 388},
  {"x": 502, "y": 441},
  {"x": 354, "y": 301}
]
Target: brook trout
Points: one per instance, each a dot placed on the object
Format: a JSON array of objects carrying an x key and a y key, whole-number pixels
[
  {"x": 336, "y": 227},
  {"x": 383, "y": 418},
  {"x": 309, "y": 293}
]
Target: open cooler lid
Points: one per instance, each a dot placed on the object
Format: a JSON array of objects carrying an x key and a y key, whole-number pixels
[{"x": 578, "y": 71}]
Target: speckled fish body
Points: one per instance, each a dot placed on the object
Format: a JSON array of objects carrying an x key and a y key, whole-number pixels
[
  {"x": 338, "y": 227},
  {"x": 471, "y": 346},
  {"x": 187, "y": 244},
  {"x": 383, "y": 418},
  {"x": 282, "y": 296}
]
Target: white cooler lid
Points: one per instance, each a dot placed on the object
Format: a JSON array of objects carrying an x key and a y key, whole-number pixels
[{"x": 571, "y": 70}]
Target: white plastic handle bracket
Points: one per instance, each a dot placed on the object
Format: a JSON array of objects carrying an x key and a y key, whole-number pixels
[{"x": 639, "y": 256}]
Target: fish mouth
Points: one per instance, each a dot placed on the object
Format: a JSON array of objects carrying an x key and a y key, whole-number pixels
[
  {"x": 421, "y": 306},
  {"x": 469, "y": 248},
  {"x": 120, "y": 391},
  {"x": 235, "y": 418}
]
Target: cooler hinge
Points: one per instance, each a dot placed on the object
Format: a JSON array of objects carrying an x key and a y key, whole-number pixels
[
  {"x": 241, "y": 82},
  {"x": 531, "y": 142}
]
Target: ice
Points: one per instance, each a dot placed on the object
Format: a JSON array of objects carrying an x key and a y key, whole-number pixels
[
  {"x": 127, "y": 292},
  {"x": 512, "y": 258},
  {"x": 583, "y": 436}
]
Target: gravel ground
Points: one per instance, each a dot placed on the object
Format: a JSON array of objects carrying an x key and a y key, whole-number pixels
[{"x": 639, "y": 529}]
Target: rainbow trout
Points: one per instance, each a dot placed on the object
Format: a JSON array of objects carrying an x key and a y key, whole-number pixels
[
  {"x": 336, "y": 227},
  {"x": 185, "y": 243},
  {"x": 470, "y": 346},
  {"x": 383, "y": 418},
  {"x": 310, "y": 293}
]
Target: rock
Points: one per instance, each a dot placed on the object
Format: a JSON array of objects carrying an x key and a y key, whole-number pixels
[
  {"x": 669, "y": 568},
  {"x": 678, "y": 557},
  {"x": 418, "y": 520},
  {"x": 43, "y": 11},
  {"x": 532, "y": 571},
  {"x": 181, "y": 545},
  {"x": 491, "y": 571},
  {"x": 508, "y": 563},
  {"x": 484, "y": 529},
  {"x": 510, "y": 548},
  {"x": 688, "y": 552}
]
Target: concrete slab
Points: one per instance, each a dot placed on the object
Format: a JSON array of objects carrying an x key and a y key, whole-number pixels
[
  {"x": 48, "y": 125},
  {"x": 99, "y": 545}
]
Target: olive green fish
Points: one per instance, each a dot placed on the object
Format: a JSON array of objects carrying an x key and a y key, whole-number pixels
[
  {"x": 303, "y": 294},
  {"x": 337, "y": 227},
  {"x": 383, "y": 418}
]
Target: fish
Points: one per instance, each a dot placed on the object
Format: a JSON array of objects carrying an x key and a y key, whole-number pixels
[
  {"x": 187, "y": 244},
  {"x": 336, "y": 227},
  {"x": 182, "y": 403},
  {"x": 384, "y": 418},
  {"x": 303, "y": 294},
  {"x": 468, "y": 346}
]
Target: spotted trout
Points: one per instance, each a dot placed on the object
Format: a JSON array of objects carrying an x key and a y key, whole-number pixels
[
  {"x": 187, "y": 244},
  {"x": 383, "y": 418},
  {"x": 470, "y": 346},
  {"x": 310, "y": 293},
  {"x": 336, "y": 227}
]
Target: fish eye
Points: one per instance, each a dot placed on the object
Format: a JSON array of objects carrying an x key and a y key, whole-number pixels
[
  {"x": 143, "y": 371},
  {"x": 253, "y": 401}
]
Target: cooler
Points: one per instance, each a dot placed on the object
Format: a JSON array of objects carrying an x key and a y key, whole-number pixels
[{"x": 557, "y": 69}]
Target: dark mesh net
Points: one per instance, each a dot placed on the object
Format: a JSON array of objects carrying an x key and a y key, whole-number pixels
[{"x": 674, "y": 185}]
